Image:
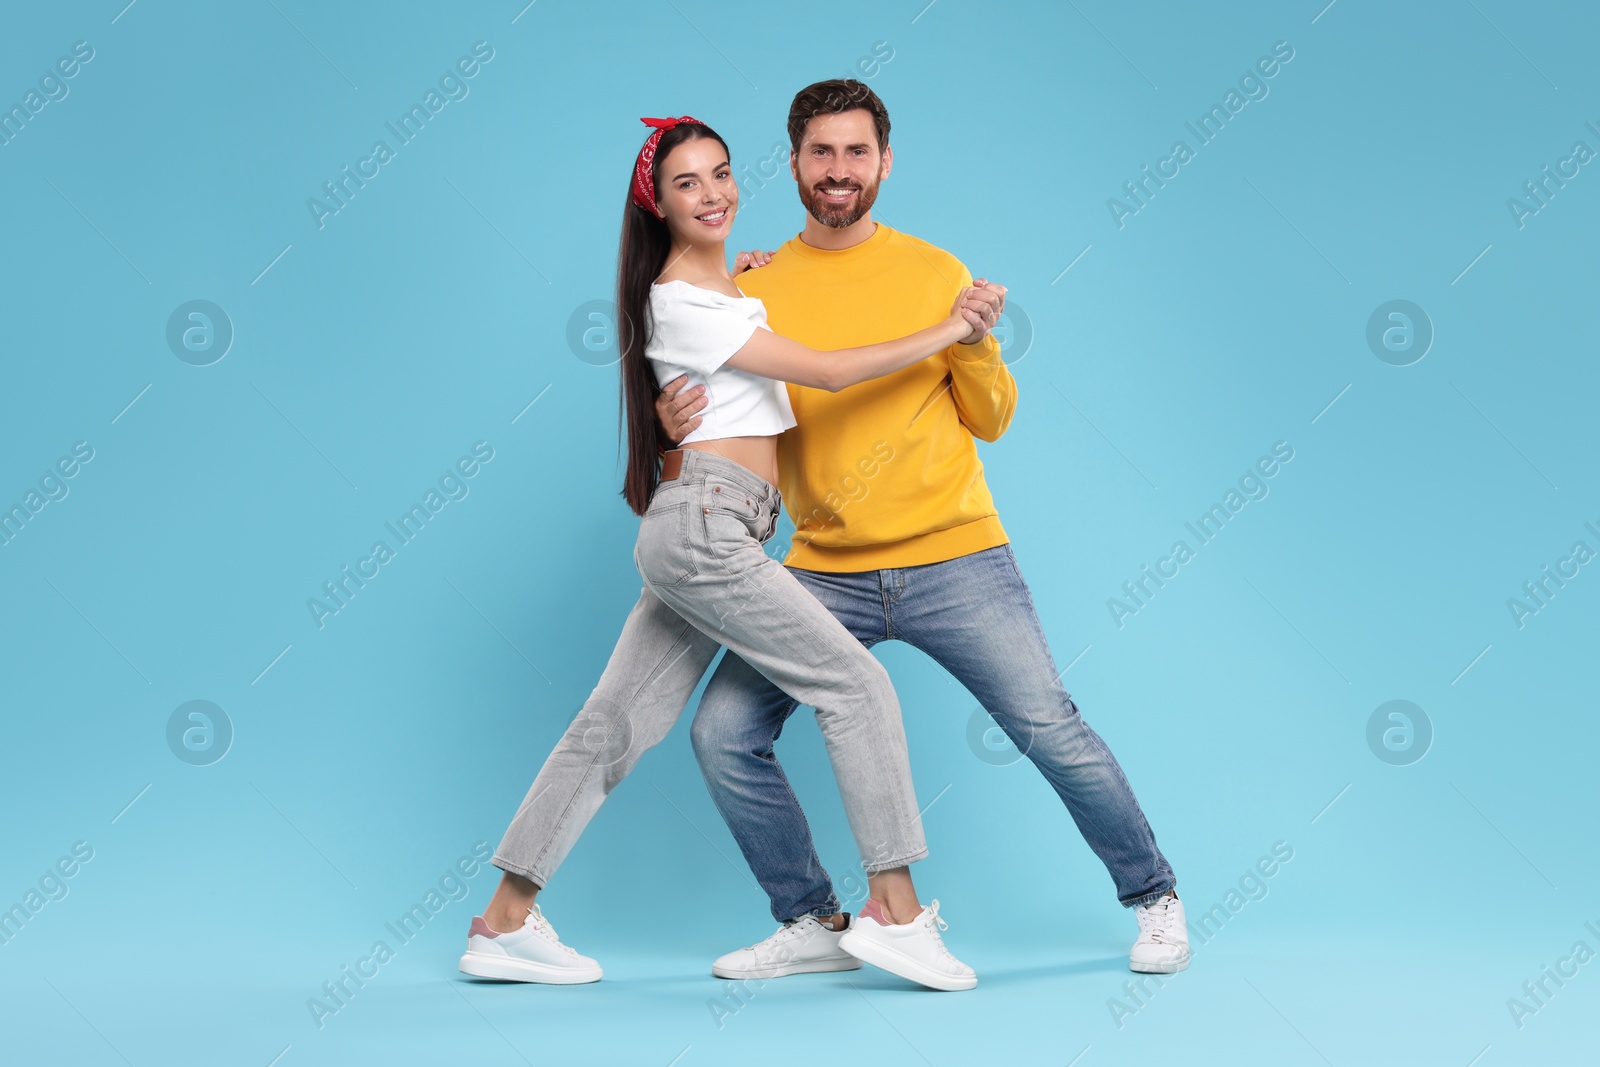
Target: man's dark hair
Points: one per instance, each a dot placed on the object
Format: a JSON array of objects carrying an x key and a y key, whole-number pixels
[{"x": 835, "y": 97}]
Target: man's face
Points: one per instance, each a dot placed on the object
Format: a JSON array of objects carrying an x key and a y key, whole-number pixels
[{"x": 838, "y": 167}]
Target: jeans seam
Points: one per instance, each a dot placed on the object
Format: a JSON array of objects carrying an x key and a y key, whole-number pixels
[
  {"x": 833, "y": 899},
  {"x": 788, "y": 788},
  {"x": 560, "y": 822},
  {"x": 1159, "y": 871},
  {"x": 1037, "y": 624}
]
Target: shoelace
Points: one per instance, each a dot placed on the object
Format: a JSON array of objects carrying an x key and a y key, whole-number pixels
[
  {"x": 1156, "y": 919},
  {"x": 542, "y": 926},
  {"x": 934, "y": 922},
  {"x": 785, "y": 933}
]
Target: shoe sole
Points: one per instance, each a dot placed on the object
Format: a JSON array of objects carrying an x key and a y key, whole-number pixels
[
  {"x": 896, "y": 963},
  {"x": 1159, "y": 968},
  {"x": 513, "y": 970},
  {"x": 783, "y": 970}
]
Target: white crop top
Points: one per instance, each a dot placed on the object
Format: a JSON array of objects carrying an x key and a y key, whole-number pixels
[{"x": 695, "y": 331}]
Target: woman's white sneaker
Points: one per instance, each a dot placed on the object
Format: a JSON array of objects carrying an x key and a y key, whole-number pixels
[
  {"x": 532, "y": 954},
  {"x": 1163, "y": 945},
  {"x": 804, "y": 946},
  {"x": 912, "y": 950}
]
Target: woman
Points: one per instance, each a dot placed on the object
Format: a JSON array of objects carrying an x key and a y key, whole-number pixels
[{"x": 707, "y": 513}]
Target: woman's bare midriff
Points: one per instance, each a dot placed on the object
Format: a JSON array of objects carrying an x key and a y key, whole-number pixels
[{"x": 759, "y": 455}]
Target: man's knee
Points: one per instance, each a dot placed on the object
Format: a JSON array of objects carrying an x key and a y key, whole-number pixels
[
  {"x": 1054, "y": 731},
  {"x": 708, "y": 736},
  {"x": 728, "y": 725}
]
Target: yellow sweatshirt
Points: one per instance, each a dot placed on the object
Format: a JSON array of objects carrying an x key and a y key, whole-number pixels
[{"x": 884, "y": 473}]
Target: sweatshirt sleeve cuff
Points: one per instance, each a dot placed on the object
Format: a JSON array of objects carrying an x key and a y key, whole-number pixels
[{"x": 988, "y": 348}]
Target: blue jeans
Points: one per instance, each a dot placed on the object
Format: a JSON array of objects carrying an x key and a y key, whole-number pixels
[{"x": 975, "y": 617}]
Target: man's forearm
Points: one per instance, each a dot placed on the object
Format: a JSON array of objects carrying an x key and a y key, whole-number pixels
[{"x": 984, "y": 391}]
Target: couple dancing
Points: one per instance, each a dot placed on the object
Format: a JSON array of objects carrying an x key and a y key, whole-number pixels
[{"x": 884, "y": 342}]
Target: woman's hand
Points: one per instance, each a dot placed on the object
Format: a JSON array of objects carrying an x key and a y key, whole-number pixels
[
  {"x": 750, "y": 261},
  {"x": 988, "y": 300},
  {"x": 965, "y": 316}
]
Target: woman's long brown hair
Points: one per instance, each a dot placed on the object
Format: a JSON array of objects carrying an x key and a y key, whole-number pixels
[{"x": 641, "y": 256}]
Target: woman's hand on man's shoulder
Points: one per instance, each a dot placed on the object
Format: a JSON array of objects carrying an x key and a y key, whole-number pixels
[{"x": 750, "y": 260}]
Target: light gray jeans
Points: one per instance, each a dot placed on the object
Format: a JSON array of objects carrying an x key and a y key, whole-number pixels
[{"x": 708, "y": 583}]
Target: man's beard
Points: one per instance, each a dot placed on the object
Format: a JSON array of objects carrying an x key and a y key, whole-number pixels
[{"x": 837, "y": 217}]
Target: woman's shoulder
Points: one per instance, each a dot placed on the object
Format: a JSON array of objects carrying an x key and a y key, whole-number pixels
[
  {"x": 677, "y": 289},
  {"x": 685, "y": 317},
  {"x": 677, "y": 305}
]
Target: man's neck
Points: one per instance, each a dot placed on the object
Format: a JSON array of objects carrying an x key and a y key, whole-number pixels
[{"x": 829, "y": 239}]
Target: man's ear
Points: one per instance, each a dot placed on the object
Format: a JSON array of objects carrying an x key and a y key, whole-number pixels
[
  {"x": 888, "y": 162},
  {"x": 794, "y": 168}
]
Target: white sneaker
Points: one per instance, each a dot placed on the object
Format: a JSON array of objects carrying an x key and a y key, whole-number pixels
[
  {"x": 912, "y": 950},
  {"x": 804, "y": 946},
  {"x": 532, "y": 954},
  {"x": 1163, "y": 945}
]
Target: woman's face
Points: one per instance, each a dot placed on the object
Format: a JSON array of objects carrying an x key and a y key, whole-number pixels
[{"x": 696, "y": 191}]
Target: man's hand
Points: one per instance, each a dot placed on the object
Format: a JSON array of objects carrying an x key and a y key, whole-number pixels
[
  {"x": 988, "y": 300},
  {"x": 750, "y": 261},
  {"x": 678, "y": 412}
]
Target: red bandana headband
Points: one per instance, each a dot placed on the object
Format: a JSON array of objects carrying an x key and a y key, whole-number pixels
[{"x": 644, "y": 184}]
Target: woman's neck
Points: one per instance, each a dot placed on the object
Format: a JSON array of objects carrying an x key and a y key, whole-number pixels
[{"x": 696, "y": 263}]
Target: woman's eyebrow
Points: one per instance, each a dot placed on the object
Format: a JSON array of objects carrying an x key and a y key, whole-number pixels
[{"x": 693, "y": 174}]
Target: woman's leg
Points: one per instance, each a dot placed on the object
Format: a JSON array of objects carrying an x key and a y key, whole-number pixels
[
  {"x": 761, "y": 612},
  {"x": 513, "y": 898},
  {"x": 758, "y": 610},
  {"x": 653, "y": 670}
]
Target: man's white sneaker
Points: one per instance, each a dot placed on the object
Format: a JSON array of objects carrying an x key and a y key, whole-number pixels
[
  {"x": 531, "y": 954},
  {"x": 801, "y": 947},
  {"x": 912, "y": 950},
  {"x": 1163, "y": 945}
]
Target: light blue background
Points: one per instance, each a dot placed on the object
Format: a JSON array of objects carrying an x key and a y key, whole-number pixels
[{"x": 428, "y": 313}]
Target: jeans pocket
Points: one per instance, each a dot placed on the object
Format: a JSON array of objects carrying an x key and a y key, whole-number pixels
[
  {"x": 665, "y": 553},
  {"x": 727, "y": 531},
  {"x": 721, "y": 494}
]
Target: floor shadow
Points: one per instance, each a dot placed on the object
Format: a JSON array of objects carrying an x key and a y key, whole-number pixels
[{"x": 871, "y": 979}]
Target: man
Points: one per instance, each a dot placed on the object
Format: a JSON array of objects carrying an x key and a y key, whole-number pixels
[{"x": 898, "y": 536}]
